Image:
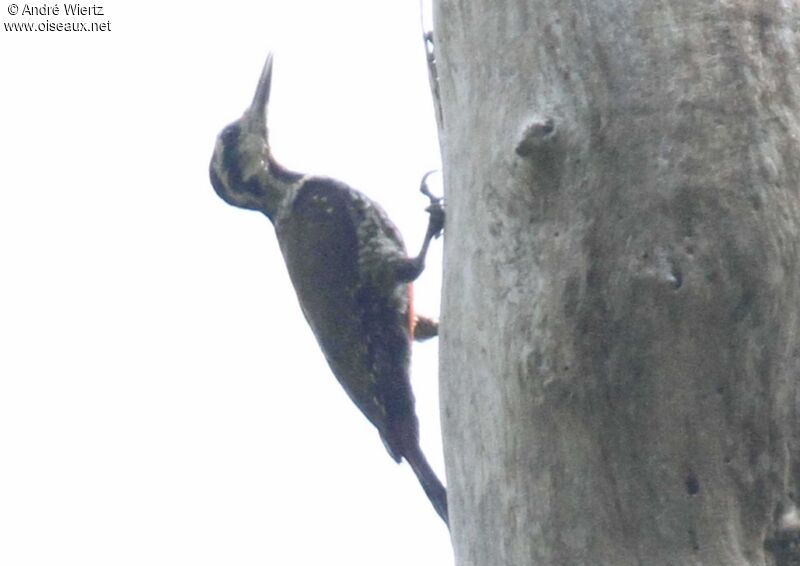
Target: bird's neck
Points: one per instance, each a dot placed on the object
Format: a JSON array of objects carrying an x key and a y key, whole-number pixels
[{"x": 277, "y": 187}]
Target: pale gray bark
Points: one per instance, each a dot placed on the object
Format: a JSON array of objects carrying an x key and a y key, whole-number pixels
[{"x": 619, "y": 340}]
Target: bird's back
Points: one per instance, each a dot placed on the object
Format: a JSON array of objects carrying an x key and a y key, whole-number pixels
[{"x": 336, "y": 243}]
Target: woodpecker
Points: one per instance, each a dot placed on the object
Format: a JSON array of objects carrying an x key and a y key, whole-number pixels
[{"x": 350, "y": 270}]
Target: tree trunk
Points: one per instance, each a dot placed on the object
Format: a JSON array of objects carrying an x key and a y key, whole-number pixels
[{"x": 619, "y": 354}]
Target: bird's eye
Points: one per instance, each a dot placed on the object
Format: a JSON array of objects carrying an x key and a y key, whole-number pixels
[{"x": 230, "y": 134}]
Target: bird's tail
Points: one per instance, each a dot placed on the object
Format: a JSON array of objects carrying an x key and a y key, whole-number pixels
[{"x": 436, "y": 492}]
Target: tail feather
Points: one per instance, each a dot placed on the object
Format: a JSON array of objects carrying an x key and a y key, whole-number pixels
[{"x": 436, "y": 492}]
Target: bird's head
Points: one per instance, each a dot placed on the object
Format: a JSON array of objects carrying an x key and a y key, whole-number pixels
[{"x": 242, "y": 151}]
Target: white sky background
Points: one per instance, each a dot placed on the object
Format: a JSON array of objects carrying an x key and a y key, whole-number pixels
[{"x": 162, "y": 400}]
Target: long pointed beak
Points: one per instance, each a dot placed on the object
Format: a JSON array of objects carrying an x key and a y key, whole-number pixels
[{"x": 258, "y": 108}]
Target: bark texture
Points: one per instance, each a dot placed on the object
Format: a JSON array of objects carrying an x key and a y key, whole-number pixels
[{"x": 619, "y": 353}]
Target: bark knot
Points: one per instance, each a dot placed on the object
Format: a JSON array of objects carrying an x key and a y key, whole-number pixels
[{"x": 539, "y": 132}]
